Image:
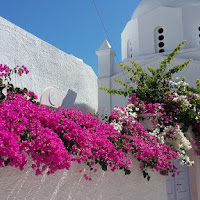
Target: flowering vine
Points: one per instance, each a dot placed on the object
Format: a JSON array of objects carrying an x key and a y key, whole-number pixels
[
  {"x": 55, "y": 138},
  {"x": 169, "y": 106},
  {"x": 135, "y": 140}
]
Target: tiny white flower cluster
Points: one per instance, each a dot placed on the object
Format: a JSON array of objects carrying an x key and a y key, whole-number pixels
[
  {"x": 124, "y": 114},
  {"x": 130, "y": 109},
  {"x": 156, "y": 133},
  {"x": 117, "y": 125},
  {"x": 182, "y": 98},
  {"x": 174, "y": 137},
  {"x": 179, "y": 83}
]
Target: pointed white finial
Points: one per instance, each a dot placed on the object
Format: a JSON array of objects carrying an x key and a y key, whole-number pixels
[{"x": 105, "y": 46}]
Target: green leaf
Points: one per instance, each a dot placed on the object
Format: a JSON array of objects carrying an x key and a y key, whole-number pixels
[
  {"x": 144, "y": 173},
  {"x": 127, "y": 172},
  {"x": 104, "y": 166},
  {"x": 6, "y": 162}
]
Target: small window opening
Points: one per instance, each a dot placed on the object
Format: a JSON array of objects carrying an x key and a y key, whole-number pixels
[
  {"x": 129, "y": 49},
  {"x": 161, "y": 50},
  {"x": 160, "y": 30},
  {"x": 199, "y": 33},
  {"x": 159, "y": 40},
  {"x": 161, "y": 44},
  {"x": 161, "y": 37}
]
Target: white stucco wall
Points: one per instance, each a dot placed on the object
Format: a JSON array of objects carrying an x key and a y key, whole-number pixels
[
  {"x": 68, "y": 185},
  {"x": 191, "y": 24},
  {"x": 141, "y": 31},
  {"x": 49, "y": 67},
  {"x": 172, "y": 25},
  {"x": 131, "y": 33}
]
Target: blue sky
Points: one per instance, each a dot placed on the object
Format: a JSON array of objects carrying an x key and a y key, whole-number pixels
[{"x": 72, "y": 25}]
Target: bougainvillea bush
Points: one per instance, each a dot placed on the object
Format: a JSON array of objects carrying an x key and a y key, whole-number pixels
[
  {"x": 55, "y": 138},
  {"x": 170, "y": 105}
]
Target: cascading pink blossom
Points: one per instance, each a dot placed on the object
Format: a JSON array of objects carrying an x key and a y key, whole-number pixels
[{"x": 54, "y": 139}]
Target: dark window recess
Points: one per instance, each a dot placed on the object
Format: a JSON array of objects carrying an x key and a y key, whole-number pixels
[
  {"x": 161, "y": 37},
  {"x": 160, "y": 40},
  {"x": 199, "y": 28},
  {"x": 161, "y": 50},
  {"x": 160, "y": 30},
  {"x": 161, "y": 44},
  {"x": 199, "y": 35}
]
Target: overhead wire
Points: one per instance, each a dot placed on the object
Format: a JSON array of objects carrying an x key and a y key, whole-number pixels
[{"x": 106, "y": 32}]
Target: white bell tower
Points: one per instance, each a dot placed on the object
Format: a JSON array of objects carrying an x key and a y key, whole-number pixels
[
  {"x": 155, "y": 29},
  {"x": 157, "y": 26},
  {"x": 106, "y": 60}
]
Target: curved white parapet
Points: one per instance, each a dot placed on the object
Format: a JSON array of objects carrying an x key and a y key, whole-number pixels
[{"x": 68, "y": 185}]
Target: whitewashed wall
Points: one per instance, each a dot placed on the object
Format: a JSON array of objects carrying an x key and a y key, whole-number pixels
[
  {"x": 145, "y": 26},
  {"x": 49, "y": 67},
  {"x": 70, "y": 185}
]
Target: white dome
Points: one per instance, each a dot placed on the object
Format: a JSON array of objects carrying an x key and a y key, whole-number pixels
[{"x": 148, "y": 5}]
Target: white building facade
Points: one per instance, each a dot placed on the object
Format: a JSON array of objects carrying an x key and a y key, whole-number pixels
[
  {"x": 155, "y": 29},
  {"x": 57, "y": 78}
]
